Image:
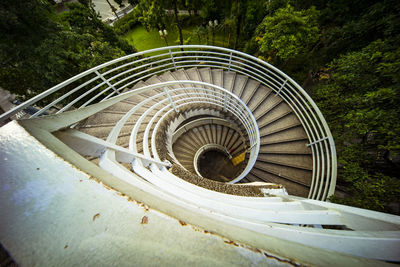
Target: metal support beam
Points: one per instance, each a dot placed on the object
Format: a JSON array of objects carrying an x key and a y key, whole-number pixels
[
  {"x": 170, "y": 99},
  {"x": 89, "y": 145},
  {"x": 280, "y": 89},
  {"x": 317, "y": 141},
  {"x": 253, "y": 145},
  {"x": 172, "y": 58},
  {"x": 227, "y": 152},
  {"x": 225, "y": 101},
  {"x": 230, "y": 61},
  {"x": 106, "y": 81}
]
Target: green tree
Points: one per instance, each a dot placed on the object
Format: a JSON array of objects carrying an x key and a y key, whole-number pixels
[
  {"x": 288, "y": 33},
  {"x": 151, "y": 14},
  {"x": 113, "y": 9},
  {"x": 360, "y": 100},
  {"x": 174, "y": 4},
  {"x": 39, "y": 48},
  {"x": 81, "y": 19}
]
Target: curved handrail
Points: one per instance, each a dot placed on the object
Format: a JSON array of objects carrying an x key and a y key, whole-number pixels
[
  {"x": 111, "y": 78},
  {"x": 188, "y": 95}
]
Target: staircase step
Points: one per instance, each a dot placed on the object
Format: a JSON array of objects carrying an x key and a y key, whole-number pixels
[
  {"x": 228, "y": 138},
  {"x": 193, "y": 74},
  {"x": 154, "y": 80},
  {"x": 166, "y": 77},
  {"x": 289, "y": 135},
  {"x": 181, "y": 153},
  {"x": 292, "y": 187},
  {"x": 249, "y": 90},
  {"x": 218, "y": 133},
  {"x": 244, "y": 181},
  {"x": 223, "y": 134},
  {"x": 293, "y": 161},
  {"x": 185, "y": 145},
  {"x": 181, "y": 75},
  {"x": 253, "y": 178},
  {"x": 240, "y": 84},
  {"x": 203, "y": 133},
  {"x": 302, "y": 177},
  {"x": 296, "y": 147},
  {"x": 139, "y": 84},
  {"x": 213, "y": 129},
  {"x": 278, "y": 129},
  {"x": 232, "y": 141},
  {"x": 217, "y": 77},
  {"x": 209, "y": 134},
  {"x": 198, "y": 134},
  {"x": 188, "y": 140},
  {"x": 287, "y": 121},
  {"x": 277, "y": 116},
  {"x": 258, "y": 97},
  {"x": 280, "y": 141},
  {"x": 195, "y": 139},
  {"x": 205, "y": 74},
  {"x": 229, "y": 80},
  {"x": 266, "y": 106},
  {"x": 238, "y": 144}
]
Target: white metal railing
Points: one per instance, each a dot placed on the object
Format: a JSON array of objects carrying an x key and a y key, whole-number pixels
[
  {"x": 112, "y": 78},
  {"x": 167, "y": 103}
]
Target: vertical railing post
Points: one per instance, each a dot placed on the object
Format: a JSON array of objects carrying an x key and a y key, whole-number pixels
[
  {"x": 252, "y": 146},
  {"x": 106, "y": 81},
  {"x": 172, "y": 58},
  {"x": 170, "y": 99},
  {"x": 230, "y": 61},
  {"x": 225, "y": 101},
  {"x": 280, "y": 89}
]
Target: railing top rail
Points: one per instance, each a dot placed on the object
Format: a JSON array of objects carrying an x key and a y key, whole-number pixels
[
  {"x": 204, "y": 84},
  {"x": 266, "y": 73},
  {"x": 109, "y": 63}
]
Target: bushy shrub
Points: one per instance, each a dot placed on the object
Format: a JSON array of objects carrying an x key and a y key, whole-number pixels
[{"x": 126, "y": 23}]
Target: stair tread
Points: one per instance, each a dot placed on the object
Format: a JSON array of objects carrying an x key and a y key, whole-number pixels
[
  {"x": 205, "y": 74},
  {"x": 298, "y": 176},
  {"x": 297, "y": 163},
  {"x": 289, "y": 121},
  {"x": 293, "y": 188},
  {"x": 217, "y": 77},
  {"x": 240, "y": 84},
  {"x": 296, "y": 146},
  {"x": 249, "y": 90},
  {"x": 258, "y": 97},
  {"x": 283, "y": 140},
  {"x": 266, "y": 106},
  {"x": 194, "y": 74},
  {"x": 229, "y": 80}
]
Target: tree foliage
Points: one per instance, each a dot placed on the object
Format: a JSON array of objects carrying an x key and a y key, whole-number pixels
[
  {"x": 151, "y": 14},
  {"x": 346, "y": 52},
  {"x": 39, "y": 48},
  {"x": 360, "y": 101},
  {"x": 288, "y": 33},
  {"x": 126, "y": 23}
]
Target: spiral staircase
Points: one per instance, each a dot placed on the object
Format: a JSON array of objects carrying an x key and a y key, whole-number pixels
[{"x": 217, "y": 139}]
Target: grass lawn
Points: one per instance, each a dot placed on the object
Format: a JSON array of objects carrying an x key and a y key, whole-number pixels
[{"x": 144, "y": 40}]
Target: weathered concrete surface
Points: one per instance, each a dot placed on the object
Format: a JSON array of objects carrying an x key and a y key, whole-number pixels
[{"x": 53, "y": 214}]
